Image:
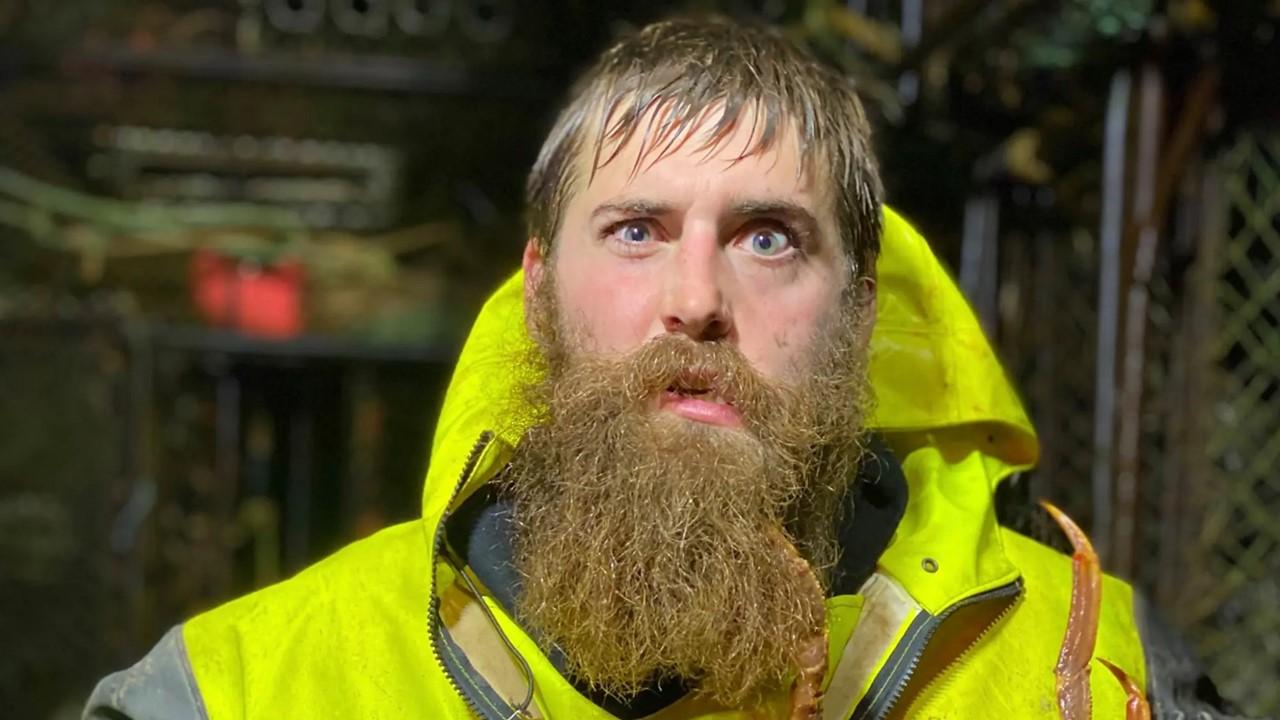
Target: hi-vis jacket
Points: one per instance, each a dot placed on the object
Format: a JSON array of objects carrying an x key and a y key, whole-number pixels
[{"x": 961, "y": 619}]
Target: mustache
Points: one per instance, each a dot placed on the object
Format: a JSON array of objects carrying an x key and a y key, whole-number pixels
[{"x": 677, "y": 363}]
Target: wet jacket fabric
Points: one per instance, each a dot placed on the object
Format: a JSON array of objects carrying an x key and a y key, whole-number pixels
[{"x": 959, "y": 617}]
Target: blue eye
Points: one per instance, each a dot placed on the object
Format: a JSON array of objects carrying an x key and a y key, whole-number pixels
[
  {"x": 635, "y": 233},
  {"x": 769, "y": 243}
]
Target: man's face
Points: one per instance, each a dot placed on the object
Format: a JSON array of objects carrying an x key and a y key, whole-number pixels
[{"x": 700, "y": 243}]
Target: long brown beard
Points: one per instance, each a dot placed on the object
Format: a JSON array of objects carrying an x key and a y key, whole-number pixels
[{"x": 644, "y": 539}]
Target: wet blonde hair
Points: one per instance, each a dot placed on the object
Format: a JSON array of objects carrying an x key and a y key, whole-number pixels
[{"x": 670, "y": 76}]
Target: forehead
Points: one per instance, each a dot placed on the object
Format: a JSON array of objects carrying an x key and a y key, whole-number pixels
[{"x": 748, "y": 159}]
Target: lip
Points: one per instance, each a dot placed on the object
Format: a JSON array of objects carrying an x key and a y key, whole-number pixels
[{"x": 698, "y": 409}]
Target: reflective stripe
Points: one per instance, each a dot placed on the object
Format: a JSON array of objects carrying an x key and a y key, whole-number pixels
[
  {"x": 481, "y": 696},
  {"x": 887, "y": 615},
  {"x": 894, "y": 674},
  {"x": 476, "y": 656}
]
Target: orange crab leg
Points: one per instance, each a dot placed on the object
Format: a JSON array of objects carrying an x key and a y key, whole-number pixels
[
  {"x": 1136, "y": 708},
  {"x": 1072, "y": 670},
  {"x": 811, "y": 656},
  {"x": 806, "y": 690}
]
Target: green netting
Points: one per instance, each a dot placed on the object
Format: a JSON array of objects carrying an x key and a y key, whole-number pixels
[{"x": 1234, "y": 617}]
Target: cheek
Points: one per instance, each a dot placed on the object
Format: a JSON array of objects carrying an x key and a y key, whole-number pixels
[
  {"x": 779, "y": 324},
  {"x": 612, "y": 305}
]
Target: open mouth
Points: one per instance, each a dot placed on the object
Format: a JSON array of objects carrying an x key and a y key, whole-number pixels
[
  {"x": 701, "y": 393},
  {"x": 696, "y": 398}
]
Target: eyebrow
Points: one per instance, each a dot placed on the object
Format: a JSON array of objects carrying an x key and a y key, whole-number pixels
[
  {"x": 785, "y": 209},
  {"x": 633, "y": 208}
]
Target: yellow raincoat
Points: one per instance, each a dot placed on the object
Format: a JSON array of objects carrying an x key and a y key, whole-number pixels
[{"x": 962, "y": 618}]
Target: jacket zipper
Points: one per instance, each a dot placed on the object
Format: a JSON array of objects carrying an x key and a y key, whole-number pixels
[
  {"x": 1011, "y": 592},
  {"x": 941, "y": 675},
  {"x": 433, "y": 618}
]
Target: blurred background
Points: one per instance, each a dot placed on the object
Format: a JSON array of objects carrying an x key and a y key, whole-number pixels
[{"x": 241, "y": 243}]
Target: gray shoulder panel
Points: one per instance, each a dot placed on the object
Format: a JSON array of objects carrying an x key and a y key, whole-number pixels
[{"x": 160, "y": 686}]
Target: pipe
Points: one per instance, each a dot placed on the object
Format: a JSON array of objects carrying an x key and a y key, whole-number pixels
[{"x": 1109, "y": 237}]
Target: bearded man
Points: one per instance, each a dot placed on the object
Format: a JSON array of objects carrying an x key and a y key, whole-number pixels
[{"x": 659, "y": 486}]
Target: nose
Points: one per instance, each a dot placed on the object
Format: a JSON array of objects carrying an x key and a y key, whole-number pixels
[{"x": 695, "y": 300}]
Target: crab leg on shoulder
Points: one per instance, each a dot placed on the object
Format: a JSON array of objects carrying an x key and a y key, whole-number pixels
[{"x": 1072, "y": 670}]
